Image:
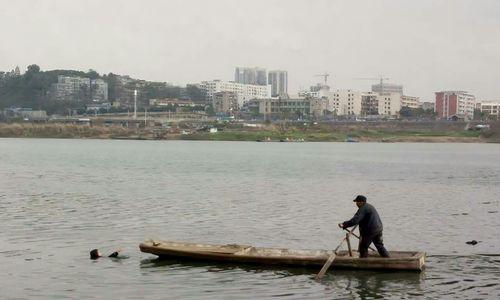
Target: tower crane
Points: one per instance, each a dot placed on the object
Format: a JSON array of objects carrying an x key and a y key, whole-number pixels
[
  {"x": 381, "y": 79},
  {"x": 324, "y": 75}
]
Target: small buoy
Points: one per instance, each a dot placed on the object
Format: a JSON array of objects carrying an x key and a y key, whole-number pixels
[{"x": 473, "y": 242}]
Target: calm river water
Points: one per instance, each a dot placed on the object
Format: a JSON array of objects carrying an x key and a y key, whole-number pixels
[{"x": 61, "y": 198}]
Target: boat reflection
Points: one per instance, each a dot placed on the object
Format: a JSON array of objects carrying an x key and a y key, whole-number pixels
[{"x": 356, "y": 277}]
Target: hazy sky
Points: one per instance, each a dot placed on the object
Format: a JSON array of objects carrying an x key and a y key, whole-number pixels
[{"x": 426, "y": 45}]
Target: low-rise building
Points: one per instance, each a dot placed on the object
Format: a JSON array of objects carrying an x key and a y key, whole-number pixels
[
  {"x": 289, "y": 107},
  {"x": 490, "y": 109},
  {"x": 410, "y": 101},
  {"x": 171, "y": 102},
  {"x": 95, "y": 107},
  {"x": 26, "y": 114},
  {"x": 427, "y": 105},
  {"x": 244, "y": 92},
  {"x": 225, "y": 103},
  {"x": 74, "y": 88}
]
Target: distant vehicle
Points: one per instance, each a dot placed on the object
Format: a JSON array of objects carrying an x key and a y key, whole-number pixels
[
  {"x": 480, "y": 127},
  {"x": 351, "y": 140}
]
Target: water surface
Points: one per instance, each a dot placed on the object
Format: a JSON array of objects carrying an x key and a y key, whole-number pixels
[{"x": 61, "y": 198}]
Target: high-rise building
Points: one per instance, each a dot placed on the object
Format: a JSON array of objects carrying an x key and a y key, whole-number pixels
[
  {"x": 279, "y": 82},
  {"x": 246, "y": 75},
  {"x": 387, "y": 88},
  {"x": 455, "y": 104}
]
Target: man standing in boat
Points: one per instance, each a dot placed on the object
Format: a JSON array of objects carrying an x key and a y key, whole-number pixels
[{"x": 370, "y": 227}]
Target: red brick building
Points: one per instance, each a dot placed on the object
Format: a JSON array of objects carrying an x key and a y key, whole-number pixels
[{"x": 454, "y": 104}]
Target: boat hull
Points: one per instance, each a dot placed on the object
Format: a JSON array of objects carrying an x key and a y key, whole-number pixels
[{"x": 399, "y": 260}]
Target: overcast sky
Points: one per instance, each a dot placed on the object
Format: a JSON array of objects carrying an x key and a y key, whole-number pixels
[{"x": 425, "y": 45}]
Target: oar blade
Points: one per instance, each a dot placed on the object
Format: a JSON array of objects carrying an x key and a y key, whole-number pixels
[{"x": 326, "y": 266}]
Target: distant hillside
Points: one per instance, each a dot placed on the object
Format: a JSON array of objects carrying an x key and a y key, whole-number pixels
[{"x": 32, "y": 90}]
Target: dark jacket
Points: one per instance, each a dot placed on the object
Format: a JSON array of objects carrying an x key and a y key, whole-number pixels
[{"x": 368, "y": 220}]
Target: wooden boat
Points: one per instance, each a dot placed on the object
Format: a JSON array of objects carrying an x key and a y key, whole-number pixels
[{"x": 233, "y": 253}]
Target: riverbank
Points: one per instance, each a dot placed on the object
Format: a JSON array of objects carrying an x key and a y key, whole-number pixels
[{"x": 264, "y": 133}]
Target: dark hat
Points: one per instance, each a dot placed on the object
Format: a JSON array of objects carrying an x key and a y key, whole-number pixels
[
  {"x": 360, "y": 198},
  {"x": 94, "y": 254}
]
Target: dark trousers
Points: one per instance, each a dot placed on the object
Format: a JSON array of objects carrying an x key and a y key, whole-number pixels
[{"x": 377, "y": 240}]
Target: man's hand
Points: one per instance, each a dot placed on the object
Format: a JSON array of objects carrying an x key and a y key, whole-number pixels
[{"x": 341, "y": 225}]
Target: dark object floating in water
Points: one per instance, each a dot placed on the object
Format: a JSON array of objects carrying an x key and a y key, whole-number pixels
[
  {"x": 493, "y": 211},
  {"x": 464, "y": 214},
  {"x": 473, "y": 242}
]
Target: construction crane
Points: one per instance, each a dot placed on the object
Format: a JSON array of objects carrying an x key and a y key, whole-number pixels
[
  {"x": 324, "y": 75},
  {"x": 375, "y": 78},
  {"x": 381, "y": 79}
]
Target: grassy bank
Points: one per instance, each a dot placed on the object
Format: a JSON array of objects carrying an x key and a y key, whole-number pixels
[
  {"x": 360, "y": 135},
  {"x": 320, "y": 133}
]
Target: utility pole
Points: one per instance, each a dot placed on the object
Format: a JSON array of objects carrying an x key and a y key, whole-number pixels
[{"x": 135, "y": 104}]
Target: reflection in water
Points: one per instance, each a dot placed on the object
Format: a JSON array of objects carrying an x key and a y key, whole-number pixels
[
  {"x": 375, "y": 284},
  {"x": 172, "y": 264},
  {"x": 363, "y": 284}
]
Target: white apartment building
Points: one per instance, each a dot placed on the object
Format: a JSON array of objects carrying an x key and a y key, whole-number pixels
[
  {"x": 410, "y": 101},
  {"x": 345, "y": 102},
  {"x": 491, "y": 109},
  {"x": 70, "y": 88},
  {"x": 389, "y": 104},
  {"x": 244, "y": 92}
]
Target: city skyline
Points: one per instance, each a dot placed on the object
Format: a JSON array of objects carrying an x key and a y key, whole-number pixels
[{"x": 426, "y": 46}]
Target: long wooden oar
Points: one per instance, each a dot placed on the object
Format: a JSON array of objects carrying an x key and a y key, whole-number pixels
[{"x": 330, "y": 259}]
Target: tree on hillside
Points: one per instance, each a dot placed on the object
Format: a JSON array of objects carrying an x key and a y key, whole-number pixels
[
  {"x": 92, "y": 74},
  {"x": 33, "y": 69},
  {"x": 194, "y": 93}
]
